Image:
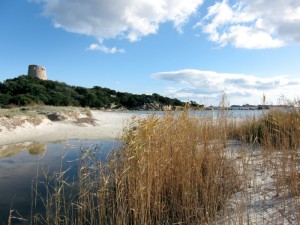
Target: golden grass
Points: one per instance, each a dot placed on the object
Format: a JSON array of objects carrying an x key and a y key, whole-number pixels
[
  {"x": 175, "y": 169},
  {"x": 278, "y": 129},
  {"x": 278, "y": 134},
  {"x": 170, "y": 170}
]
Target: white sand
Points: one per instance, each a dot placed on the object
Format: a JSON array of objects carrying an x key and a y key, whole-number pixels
[
  {"x": 257, "y": 201},
  {"x": 108, "y": 125}
]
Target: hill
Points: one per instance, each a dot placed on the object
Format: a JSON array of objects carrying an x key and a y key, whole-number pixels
[{"x": 25, "y": 91}]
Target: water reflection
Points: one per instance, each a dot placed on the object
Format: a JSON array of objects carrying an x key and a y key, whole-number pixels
[
  {"x": 22, "y": 163},
  {"x": 31, "y": 147}
]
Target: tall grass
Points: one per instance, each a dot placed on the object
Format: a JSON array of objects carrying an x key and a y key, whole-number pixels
[
  {"x": 170, "y": 170},
  {"x": 277, "y": 129},
  {"x": 175, "y": 169},
  {"x": 278, "y": 133},
  {"x": 60, "y": 199}
]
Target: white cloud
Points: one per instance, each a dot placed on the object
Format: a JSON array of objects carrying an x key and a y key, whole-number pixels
[
  {"x": 102, "y": 48},
  {"x": 130, "y": 19},
  {"x": 254, "y": 24},
  {"x": 241, "y": 88}
]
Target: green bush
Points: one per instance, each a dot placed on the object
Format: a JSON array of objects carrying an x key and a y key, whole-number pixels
[{"x": 25, "y": 90}]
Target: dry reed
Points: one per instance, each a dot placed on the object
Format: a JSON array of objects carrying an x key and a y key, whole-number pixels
[
  {"x": 174, "y": 169},
  {"x": 278, "y": 133},
  {"x": 170, "y": 170}
]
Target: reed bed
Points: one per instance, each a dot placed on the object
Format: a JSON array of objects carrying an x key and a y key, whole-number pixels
[
  {"x": 278, "y": 129},
  {"x": 170, "y": 170},
  {"x": 179, "y": 169},
  {"x": 278, "y": 134}
]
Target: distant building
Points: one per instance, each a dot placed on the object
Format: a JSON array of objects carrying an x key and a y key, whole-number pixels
[
  {"x": 37, "y": 71},
  {"x": 243, "y": 107},
  {"x": 282, "y": 107}
]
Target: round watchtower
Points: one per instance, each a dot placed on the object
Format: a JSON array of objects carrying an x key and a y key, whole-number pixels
[{"x": 37, "y": 71}]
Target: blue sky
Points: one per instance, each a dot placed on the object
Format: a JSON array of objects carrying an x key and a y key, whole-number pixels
[{"x": 190, "y": 50}]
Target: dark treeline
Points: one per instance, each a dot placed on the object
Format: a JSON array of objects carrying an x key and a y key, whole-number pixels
[{"x": 24, "y": 91}]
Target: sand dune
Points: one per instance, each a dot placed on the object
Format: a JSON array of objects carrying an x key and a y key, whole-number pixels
[{"x": 106, "y": 125}]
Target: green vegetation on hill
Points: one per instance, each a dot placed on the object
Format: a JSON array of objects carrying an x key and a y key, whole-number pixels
[{"x": 24, "y": 90}]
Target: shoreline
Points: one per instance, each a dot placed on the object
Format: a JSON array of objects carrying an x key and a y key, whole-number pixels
[
  {"x": 54, "y": 123},
  {"x": 105, "y": 125}
]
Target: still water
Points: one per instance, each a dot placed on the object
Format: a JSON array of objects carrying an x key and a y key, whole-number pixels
[
  {"x": 22, "y": 164},
  {"x": 234, "y": 114}
]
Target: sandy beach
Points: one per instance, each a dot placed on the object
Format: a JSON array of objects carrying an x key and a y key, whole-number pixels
[{"x": 106, "y": 125}]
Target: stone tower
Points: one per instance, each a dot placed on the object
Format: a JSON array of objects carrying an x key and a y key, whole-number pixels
[{"x": 37, "y": 71}]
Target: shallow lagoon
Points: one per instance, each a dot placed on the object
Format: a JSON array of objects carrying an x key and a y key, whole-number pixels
[{"x": 21, "y": 164}]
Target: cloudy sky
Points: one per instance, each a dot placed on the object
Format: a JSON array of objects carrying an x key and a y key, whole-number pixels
[{"x": 191, "y": 49}]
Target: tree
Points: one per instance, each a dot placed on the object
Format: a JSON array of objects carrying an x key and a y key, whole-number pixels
[
  {"x": 25, "y": 90},
  {"x": 5, "y": 100}
]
